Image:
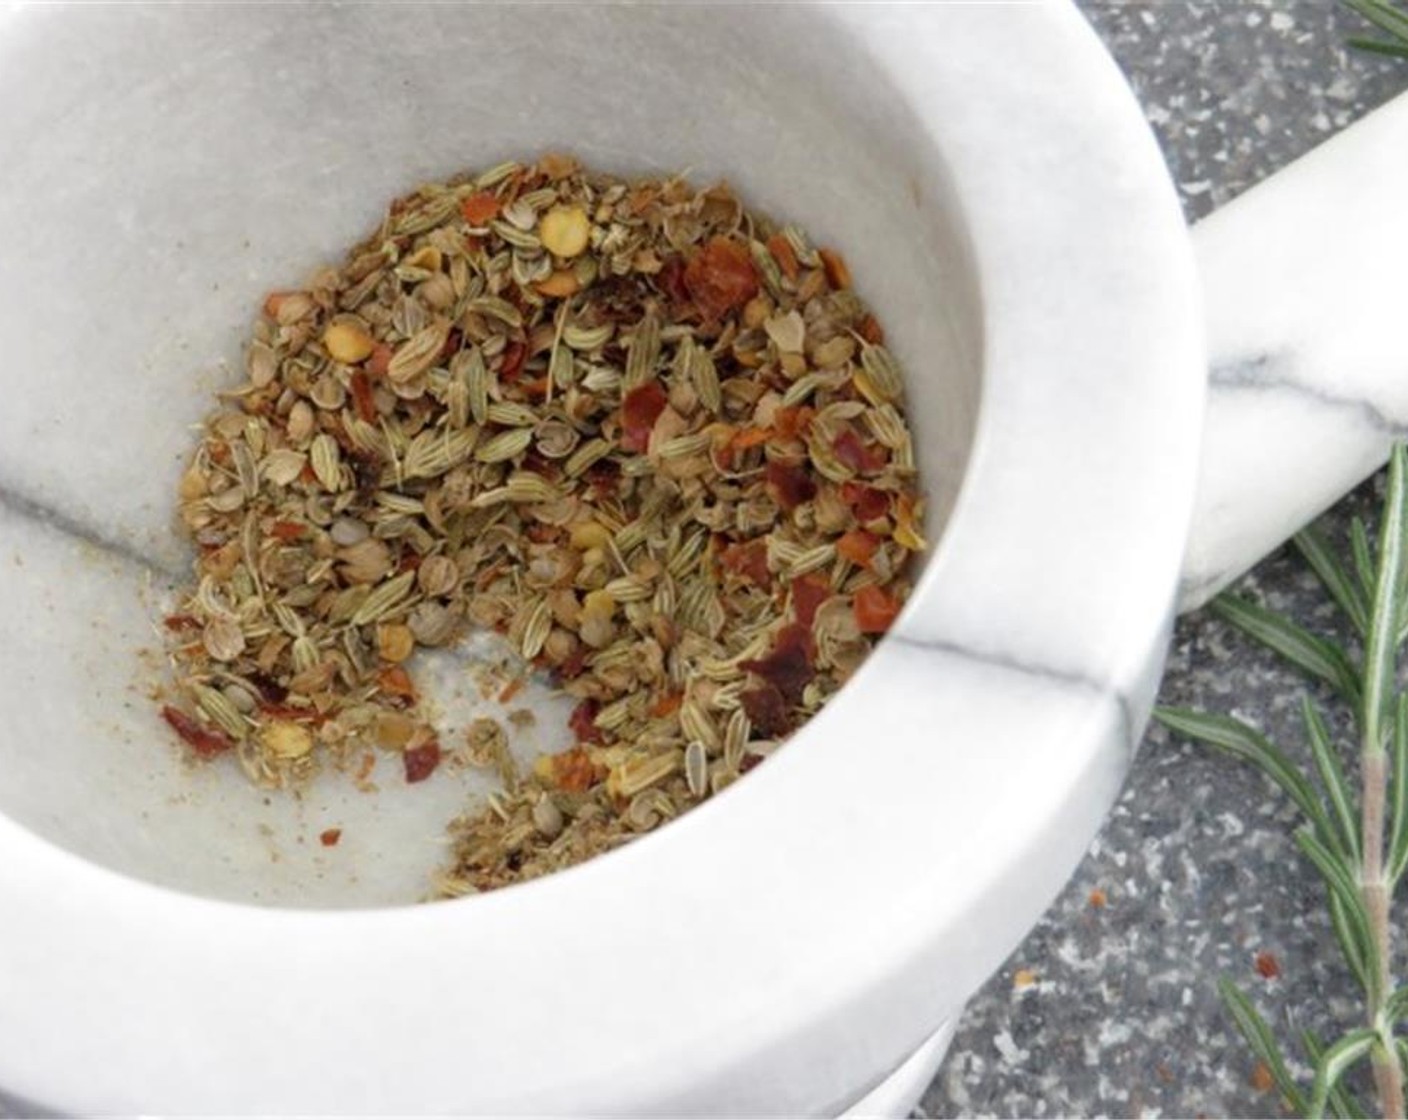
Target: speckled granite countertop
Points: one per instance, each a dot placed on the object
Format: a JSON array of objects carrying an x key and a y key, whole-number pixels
[{"x": 1108, "y": 1008}]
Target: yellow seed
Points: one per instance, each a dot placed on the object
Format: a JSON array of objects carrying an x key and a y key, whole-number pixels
[
  {"x": 793, "y": 365},
  {"x": 756, "y": 311},
  {"x": 589, "y": 534},
  {"x": 427, "y": 257},
  {"x": 565, "y": 230},
  {"x": 392, "y": 730},
  {"x": 598, "y": 604},
  {"x": 559, "y": 284},
  {"x": 395, "y": 642},
  {"x": 285, "y": 739},
  {"x": 193, "y": 484},
  {"x": 347, "y": 343}
]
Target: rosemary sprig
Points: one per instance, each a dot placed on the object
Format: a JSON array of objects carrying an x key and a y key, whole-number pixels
[
  {"x": 1357, "y": 840},
  {"x": 1388, "y": 18}
]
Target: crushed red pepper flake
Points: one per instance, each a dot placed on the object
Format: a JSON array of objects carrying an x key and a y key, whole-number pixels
[
  {"x": 640, "y": 408},
  {"x": 789, "y": 484},
  {"x": 420, "y": 762},
  {"x": 853, "y": 452},
  {"x": 788, "y": 666},
  {"x": 875, "y": 611},
  {"x": 1266, "y": 965},
  {"x": 721, "y": 277},
  {"x": 329, "y": 837},
  {"x": 583, "y": 722},
  {"x": 205, "y": 741},
  {"x": 808, "y": 593}
]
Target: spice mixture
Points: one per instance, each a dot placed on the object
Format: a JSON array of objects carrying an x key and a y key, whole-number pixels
[{"x": 653, "y": 439}]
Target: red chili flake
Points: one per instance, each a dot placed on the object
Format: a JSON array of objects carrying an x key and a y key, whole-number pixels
[
  {"x": 808, "y": 593},
  {"x": 1266, "y": 965},
  {"x": 788, "y": 667},
  {"x": 514, "y": 354},
  {"x": 721, "y": 277},
  {"x": 744, "y": 438},
  {"x": 582, "y": 721},
  {"x": 837, "y": 272},
  {"x": 766, "y": 710},
  {"x": 854, "y": 454},
  {"x": 790, "y": 423},
  {"x": 666, "y": 705},
  {"x": 789, "y": 484},
  {"x": 573, "y": 770},
  {"x": 205, "y": 742},
  {"x": 362, "y": 399},
  {"x": 874, "y": 610},
  {"x": 748, "y": 560},
  {"x": 1261, "y": 1079},
  {"x": 410, "y": 561},
  {"x": 510, "y": 690},
  {"x": 785, "y": 256},
  {"x": 479, "y": 208},
  {"x": 866, "y": 502},
  {"x": 287, "y": 530},
  {"x": 749, "y": 761},
  {"x": 670, "y": 279},
  {"x": 395, "y": 681},
  {"x": 858, "y": 547},
  {"x": 380, "y": 361},
  {"x": 574, "y": 665},
  {"x": 180, "y": 623},
  {"x": 1098, "y": 899},
  {"x": 453, "y": 340},
  {"x": 871, "y": 330},
  {"x": 605, "y": 480},
  {"x": 640, "y": 408},
  {"x": 420, "y": 762},
  {"x": 329, "y": 837}
]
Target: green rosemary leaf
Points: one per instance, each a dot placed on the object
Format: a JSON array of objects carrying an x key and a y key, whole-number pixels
[
  {"x": 1398, "y": 796},
  {"x": 1379, "y": 46},
  {"x": 1338, "y": 580},
  {"x": 1356, "y": 952},
  {"x": 1384, "y": 16},
  {"x": 1342, "y": 1102},
  {"x": 1332, "y": 776},
  {"x": 1382, "y": 643},
  {"x": 1252, "y": 1027},
  {"x": 1396, "y": 1006},
  {"x": 1316, "y": 656},
  {"x": 1363, "y": 556},
  {"x": 1334, "y": 1063},
  {"x": 1233, "y": 737},
  {"x": 1340, "y": 881}
]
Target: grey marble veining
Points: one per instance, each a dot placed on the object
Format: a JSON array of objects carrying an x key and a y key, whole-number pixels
[{"x": 1110, "y": 1010}]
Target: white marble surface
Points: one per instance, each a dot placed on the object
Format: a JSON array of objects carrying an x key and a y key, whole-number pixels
[
  {"x": 787, "y": 945},
  {"x": 1302, "y": 281}
]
